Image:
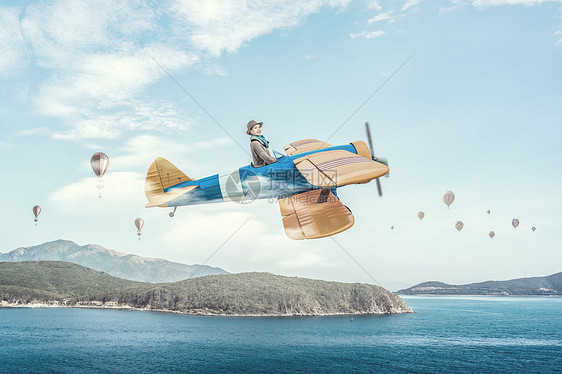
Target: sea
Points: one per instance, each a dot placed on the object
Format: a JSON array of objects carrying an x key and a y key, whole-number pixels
[{"x": 444, "y": 335}]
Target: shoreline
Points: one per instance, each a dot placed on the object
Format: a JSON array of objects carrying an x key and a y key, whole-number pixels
[
  {"x": 479, "y": 295},
  {"x": 4, "y": 304}
]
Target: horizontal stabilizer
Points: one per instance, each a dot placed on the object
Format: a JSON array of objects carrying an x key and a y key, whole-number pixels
[{"x": 163, "y": 199}]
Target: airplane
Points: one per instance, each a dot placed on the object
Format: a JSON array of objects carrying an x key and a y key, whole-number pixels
[{"x": 304, "y": 182}]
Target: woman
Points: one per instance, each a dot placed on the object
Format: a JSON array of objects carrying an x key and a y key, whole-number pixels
[{"x": 259, "y": 145}]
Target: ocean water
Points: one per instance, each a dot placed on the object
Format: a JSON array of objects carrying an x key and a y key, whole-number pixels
[{"x": 445, "y": 335}]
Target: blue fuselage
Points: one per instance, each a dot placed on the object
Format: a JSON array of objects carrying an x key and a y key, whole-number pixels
[{"x": 277, "y": 180}]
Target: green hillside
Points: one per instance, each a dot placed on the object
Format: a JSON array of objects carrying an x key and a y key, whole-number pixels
[
  {"x": 228, "y": 294},
  {"x": 56, "y": 279},
  {"x": 263, "y": 293}
]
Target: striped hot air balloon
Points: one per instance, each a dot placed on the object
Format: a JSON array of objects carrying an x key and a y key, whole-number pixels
[
  {"x": 36, "y": 212},
  {"x": 99, "y": 163},
  {"x": 515, "y": 223},
  {"x": 139, "y": 223},
  {"x": 421, "y": 215},
  {"x": 448, "y": 197}
]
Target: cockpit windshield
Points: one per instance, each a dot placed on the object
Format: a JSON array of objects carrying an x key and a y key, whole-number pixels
[{"x": 278, "y": 155}]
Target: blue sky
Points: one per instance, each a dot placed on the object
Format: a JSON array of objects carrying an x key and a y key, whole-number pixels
[{"x": 477, "y": 110}]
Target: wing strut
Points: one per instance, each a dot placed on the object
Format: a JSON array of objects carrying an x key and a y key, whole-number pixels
[{"x": 323, "y": 197}]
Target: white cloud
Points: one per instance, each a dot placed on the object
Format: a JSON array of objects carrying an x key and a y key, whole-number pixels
[
  {"x": 410, "y": 4},
  {"x": 103, "y": 81},
  {"x": 216, "y": 26},
  {"x": 455, "y": 4},
  {"x": 63, "y": 30},
  {"x": 381, "y": 17},
  {"x": 34, "y": 131},
  {"x": 367, "y": 34},
  {"x": 99, "y": 60},
  {"x": 487, "y": 3},
  {"x": 5, "y": 146},
  {"x": 120, "y": 189},
  {"x": 481, "y": 4},
  {"x": 14, "y": 53},
  {"x": 140, "y": 115},
  {"x": 256, "y": 240},
  {"x": 140, "y": 151},
  {"x": 374, "y": 4}
]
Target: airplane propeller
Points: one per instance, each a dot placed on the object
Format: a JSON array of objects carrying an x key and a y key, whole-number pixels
[{"x": 382, "y": 160}]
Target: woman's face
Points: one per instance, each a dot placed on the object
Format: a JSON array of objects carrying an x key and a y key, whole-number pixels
[{"x": 256, "y": 130}]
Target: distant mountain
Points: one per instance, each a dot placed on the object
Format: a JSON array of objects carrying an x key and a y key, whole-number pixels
[
  {"x": 118, "y": 264},
  {"x": 537, "y": 286},
  {"x": 58, "y": 283}
]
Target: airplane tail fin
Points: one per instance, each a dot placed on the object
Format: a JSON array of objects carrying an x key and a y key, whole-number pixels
[{"x": 161, "y": 175}]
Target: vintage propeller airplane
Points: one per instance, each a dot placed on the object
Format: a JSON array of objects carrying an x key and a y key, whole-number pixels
[{"x": 304, "y": 182}]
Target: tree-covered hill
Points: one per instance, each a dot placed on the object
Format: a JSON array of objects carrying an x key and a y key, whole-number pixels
[
  {"x": 56, "y": 279},
  {"x": 264, "y": 293},
  {"x": 60, "y": 283}
]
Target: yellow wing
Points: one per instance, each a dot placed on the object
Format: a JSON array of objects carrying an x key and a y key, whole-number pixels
[
  {"x": 305, "y": 146},
  {"x": 305, "y": 218},
  {"x": 339, "y": 168}
]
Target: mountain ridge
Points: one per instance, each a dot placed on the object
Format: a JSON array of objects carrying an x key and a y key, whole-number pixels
[
  {"x": 119, "y": 264},
  {"x": 550, "y": 285}
]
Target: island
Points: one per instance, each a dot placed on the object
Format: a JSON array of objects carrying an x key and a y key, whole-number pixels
[
  {"x": 533, "y": 286},
  {"x": 63, "y": 284}
]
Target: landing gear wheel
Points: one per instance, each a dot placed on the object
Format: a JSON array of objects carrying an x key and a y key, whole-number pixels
[{"x": 172, "y": 212}]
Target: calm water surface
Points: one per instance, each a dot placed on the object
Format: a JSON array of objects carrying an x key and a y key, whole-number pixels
[{"x": 445, "y": 335}]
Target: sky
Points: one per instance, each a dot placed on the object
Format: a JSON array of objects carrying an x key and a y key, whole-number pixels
[{"x": 461, "y": 95}]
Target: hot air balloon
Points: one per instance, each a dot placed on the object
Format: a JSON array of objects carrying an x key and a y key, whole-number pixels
[
  {"x": 36, "y": 212},
  {"x": 392, "y": 227},
  {"x": 421, "y": 215},
  {"x": 459, "y": 225},
  {"x": 139, "y": 223},
  {"x": 488, "y": 211},
  {"x": 99, "y": 163},
  {"x": 515, "y": 223},
  {"x": 492, "y": 234},
  {"x": 448, "y": 198},
  {"x": 533, "y": 228}
]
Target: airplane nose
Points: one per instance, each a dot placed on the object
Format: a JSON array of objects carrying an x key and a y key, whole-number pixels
[{"x": 381, "y": 170}]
